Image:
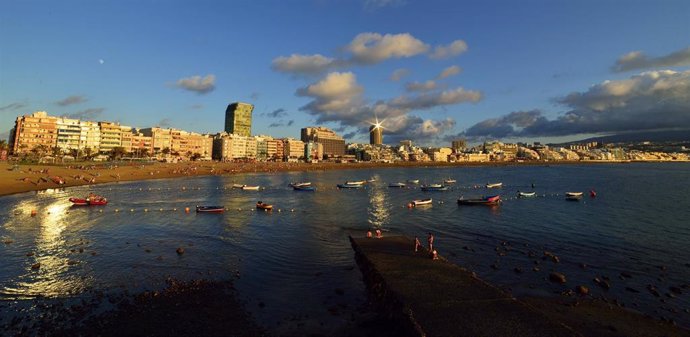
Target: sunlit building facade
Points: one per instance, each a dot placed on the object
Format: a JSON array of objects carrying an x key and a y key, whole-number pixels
[
  {"x": 33, "y": 130},
  {"x": 333, "y": 145},
  {"x": 375, "y": 135},
  {"x": 238, "y": 119}
]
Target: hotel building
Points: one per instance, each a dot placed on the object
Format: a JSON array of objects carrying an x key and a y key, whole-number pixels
[
  {"x": 375, "y": 135},
  {"x": 238, "y": 119},
  {"x": 333, "y": 145},
  {"x": 33, "y": 130}
]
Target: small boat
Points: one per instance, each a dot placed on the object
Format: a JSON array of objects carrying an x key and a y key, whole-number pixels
[
  {"x": 450, "y": 181},
  {"x": 421, "y": 202},
  {"x": 397, "y": 185},
  {"x": 488, "y": 201},
  {"x": 264, "y": 206},
  {"x": 371, "y": 180},
  {"x": 573, "y": 196},
  {"x": 306, "y": 183},
  {"x": 494, "y": 185},
  {"x": 346, "y": 185},
  {"x": 91, "y": 200},
  {"x": 210, "y": 209},
  {"x": 434, "y": 187},
  {"x": 413, "y": 181},
  {"x": 358, "y": 182},
  {"x": 238, "y": 185},
  {"x": 57, "y": 180},
  {"x": 304, "y": 188},
  {"x": 526, "y": 194},
  {"x": 250, "y": 188}
]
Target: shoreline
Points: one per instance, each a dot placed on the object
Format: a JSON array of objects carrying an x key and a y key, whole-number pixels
[{"x": 37, "y": 177}]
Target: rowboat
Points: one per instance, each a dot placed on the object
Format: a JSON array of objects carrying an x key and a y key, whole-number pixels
[
  {"x": 526, "y": 194},
  {"x": 264, "y": 206},
  {"x": 308, "y": 188},
  {"x": 306, "y": 183},
  {"x": 488, "y": 201},
  {"x": 91, "y": 200},
  {"x": 573, "y": 196},
  {"x": 397, "y": 185},
  {"x": 250, "y": 188},
  {"x": 422, "y": 202},
  {"x": 237, "y": 185},
  {"x": 358, "y": 182},
  {"x": 346, "y": 185},
  {"x": 413, "y": 181},
  {"x": 494, "y": 185},
  {"x": 210, "y": 209},
  {"x": 434, "y": 187},
  {"x": 450, "y": 181}
]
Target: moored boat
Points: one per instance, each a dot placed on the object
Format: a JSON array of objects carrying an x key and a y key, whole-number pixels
[
  {"x": 91, "y": 200},
  {"x": 357, "y": 182},
  {"x": 79, "y": 201},
  {"x": 526, "y": 194},
  {"x": 210, "y": 209},
  {"x": 488, "y": 201},
  {"x": 264, "y": 206},
  {"x": 347, "y": 185},
  {"x": 413, "y": 181},
  {"x": 573, "y": 196},
  {"x": 434, "y": 187},
  {"x": 494, "y": 185},
  {"x": 397, "y": 185},
  {"x": 308, "y": 188},
  {"x": 450, "y": 181},
  {"x": 250, "y": 188},
  {"x": 421, "y": 202},
  {"x": 306, "y": 183},
  {"x": 237, "y": 185}
]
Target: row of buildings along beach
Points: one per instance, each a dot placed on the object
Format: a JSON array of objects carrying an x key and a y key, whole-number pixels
[{"x": 63, "y": 138}]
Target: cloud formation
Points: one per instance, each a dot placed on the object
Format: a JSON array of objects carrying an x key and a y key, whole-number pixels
[
  {"x": 372, "y": 5},
  {"x": 304, "y": 64},
  {"x": 371, "y": 48},
  {"x": 86, "y": 115},
  {"x": 421, "y": 86},
  {"x": 455, "y": 48},
  {"x": 12, "y": 106},
  {"x": 448, "y": 72},
  {"x": 654, "y": 100},
  {"x": 398, "y": 74},
  {"x": 337, "y": 92},
  {"x": 637, "y": 60},
  {"x": 198, "y": 84},
  {"x": 281, "y": 123},
  {"x": 277, "y": 113},
  {"x": 71, "y": 100}
]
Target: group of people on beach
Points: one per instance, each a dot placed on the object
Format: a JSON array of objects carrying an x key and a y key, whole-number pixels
[{"x": 430, "y": 241}]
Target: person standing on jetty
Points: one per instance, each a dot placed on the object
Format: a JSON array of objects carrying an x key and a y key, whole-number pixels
[
  {"x": 417, "y": 244},
  {"x": 430, "y": 239}
]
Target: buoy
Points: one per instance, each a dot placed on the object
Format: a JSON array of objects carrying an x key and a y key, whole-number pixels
[
  {"x": 186, "y": 209},
  {"x": 410, "y": 205},
  {"x": 292, "y": 210},
  {"x": 146, "y": 209},
  {"x": 131, "y": 210},
  {"x": 116, "y": 210},
  {"x": 174, "y": 209},
  {"x": 279, "y": 210},
  {"x": 161, "y": 210},
  {"x": 100, "y": 211}
]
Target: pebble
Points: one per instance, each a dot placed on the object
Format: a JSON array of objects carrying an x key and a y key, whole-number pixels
[
  {"x": 36, "y": 265},
  {"x": 582, "y": 290},
  {"x": 602, "y": 283},
  {"x": 180, "y": 251},
  {"x": 557, "y": 277}
]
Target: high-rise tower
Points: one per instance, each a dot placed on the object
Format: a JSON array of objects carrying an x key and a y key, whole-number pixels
[
  {"x": 238, "y": 119},
  {"x": 376, "y": 134}
]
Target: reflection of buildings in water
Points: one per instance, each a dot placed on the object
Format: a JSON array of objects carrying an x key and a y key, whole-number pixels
[
  {"x": 378, "y": 211},
  {"x": 51, "y": 278}
]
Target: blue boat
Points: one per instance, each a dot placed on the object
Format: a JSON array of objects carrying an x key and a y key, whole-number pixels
[{"x": 308, "y": 188}]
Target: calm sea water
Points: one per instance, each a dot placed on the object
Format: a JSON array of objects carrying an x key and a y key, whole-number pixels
[{"x": 295, "y": 269}]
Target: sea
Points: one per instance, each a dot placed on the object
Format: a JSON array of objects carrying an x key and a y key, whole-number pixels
[{"x": 294, "y": 269}]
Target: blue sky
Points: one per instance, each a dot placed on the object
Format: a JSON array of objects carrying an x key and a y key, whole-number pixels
[{"x": 511, "y": 70}]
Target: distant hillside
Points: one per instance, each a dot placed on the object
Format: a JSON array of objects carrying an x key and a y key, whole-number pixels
[{"x": 652, "y": 136}]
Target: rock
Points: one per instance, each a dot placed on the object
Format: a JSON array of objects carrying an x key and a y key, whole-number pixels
[
  {"x": 535, "y": 268},
  {"x": 557, "y": 277},
  {"x": 36, "y": 265},
  {"x": 582, "y": 290},
  {"x": 30, "y": 254},
  {"x": 602, "y": 283},
  {"x": 180, "y": 251},
  {"x": 675, "y": 290},
  {"x": 147, "y": 250},
  {"x": 555, "y": 259},
  {"x": 652, "y": 289}
]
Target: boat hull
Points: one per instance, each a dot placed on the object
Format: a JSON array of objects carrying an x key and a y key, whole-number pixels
[
  {"x": 210, "y": 209},
  {"x": 488, "y": 201},
  {"x": 350, "y": 186},
  {"x": 307, "y": 188},
  {"x": 422, "y": 202},
  {"x": 434, "y": 188},
  {"x": 264, "y": 206}
]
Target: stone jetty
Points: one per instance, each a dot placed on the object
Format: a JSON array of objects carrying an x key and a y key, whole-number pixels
[{"x": 439, "y": 298}]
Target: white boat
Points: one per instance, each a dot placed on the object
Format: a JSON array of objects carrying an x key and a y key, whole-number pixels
[
  {"x": 422, "y": 202},
  {"x": 398, "y": 185},
  {"x": 494, "y": 185},
  {"x": 371, "y": 180},
  {"x": 526, "y": 194},
  {"x": 413, "y": 181},
  {"x": 237, "y": 185},
  {"x": 302, "y": 184},
  {"x": 450, "y": 181},
  {"x": 359, "y": 182},
  {"x": 250, "y": 188},
  {"x": 573, "y": 194}
]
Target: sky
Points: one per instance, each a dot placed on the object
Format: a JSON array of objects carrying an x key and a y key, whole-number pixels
[{"x": 430, "y": 71}]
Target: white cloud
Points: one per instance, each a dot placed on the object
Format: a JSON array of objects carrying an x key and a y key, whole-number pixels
[
  {"x": 336, "y": 92},
  {"x": 398, "y": 74},
  {"x": 198, "y": 84},
  {"x": 638, "y": 60},
  {"x": 455, "y": 48},
  {"x": 370, "y": 48},
  {"x": 423, "y": 86},
  {"x": 431, "y": 100},
  {"x": 450, "y": 71},
  {"x": 304, "y": 64},
  {"x": 71, "y": 100}
]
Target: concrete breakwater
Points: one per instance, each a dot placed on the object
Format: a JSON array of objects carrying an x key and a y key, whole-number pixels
[{"x": 438, "y": 298}]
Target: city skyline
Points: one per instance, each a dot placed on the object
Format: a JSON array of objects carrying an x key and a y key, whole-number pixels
[{"x": 431, "y": 71}]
